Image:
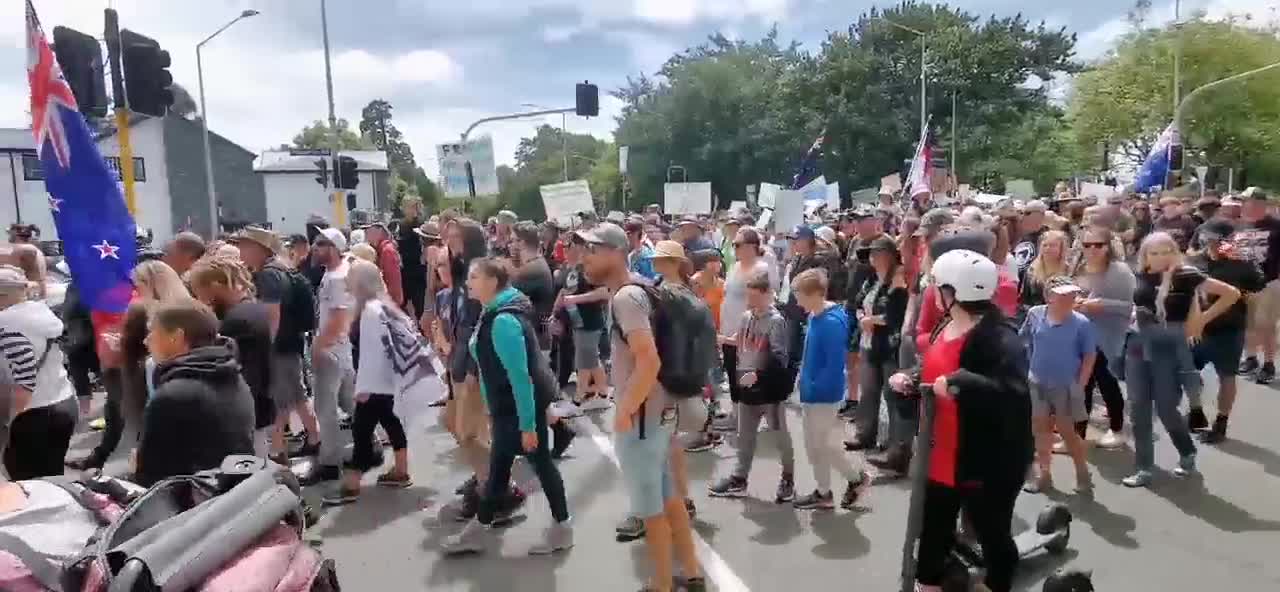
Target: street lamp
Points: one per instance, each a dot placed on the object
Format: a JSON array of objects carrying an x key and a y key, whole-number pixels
[
  {"x": 564, "y": 140},
  {"x": 204, "y": 124},
  {"x": 921, "y": 34},
  {"x": 1182, "y": 105}
]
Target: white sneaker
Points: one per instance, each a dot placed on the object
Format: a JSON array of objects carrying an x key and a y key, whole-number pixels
[
  {"x": 557, "y": 537},
  {"x": 565, "y": 409},
  {"x": 1111, "y": 440},
  {"x": 1059, "y": 447},
  {"x": 595, "y": 404}
]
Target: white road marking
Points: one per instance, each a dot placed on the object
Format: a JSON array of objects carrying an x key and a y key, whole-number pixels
[{"x": 713, "y": 565}]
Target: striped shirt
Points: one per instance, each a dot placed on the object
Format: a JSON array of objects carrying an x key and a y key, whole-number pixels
[{"x": 20, "y": 356}]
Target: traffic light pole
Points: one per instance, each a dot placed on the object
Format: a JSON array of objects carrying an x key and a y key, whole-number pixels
[
  {"x": 471, "y": 179},
  {"x": 114, "y": 55}
]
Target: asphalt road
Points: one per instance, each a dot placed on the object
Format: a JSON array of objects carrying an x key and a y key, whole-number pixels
[{"x": 1218, "y": 532}]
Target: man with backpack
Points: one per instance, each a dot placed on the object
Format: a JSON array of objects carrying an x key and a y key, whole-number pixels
[
  {"x": 291, "y": 311},
  {"x": 648, "y": 360}
]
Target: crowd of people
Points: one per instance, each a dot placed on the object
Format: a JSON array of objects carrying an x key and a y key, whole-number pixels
[{"x": 1012, "y": 315}]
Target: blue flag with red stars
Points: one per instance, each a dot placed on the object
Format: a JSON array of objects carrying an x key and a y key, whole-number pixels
[{"x": 96, "y": 229}]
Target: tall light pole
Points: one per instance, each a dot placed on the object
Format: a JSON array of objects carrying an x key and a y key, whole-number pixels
[
  {"x": 204, "y": 124},
  {"x": 339, "y": 207},
  {"x": 564, "y": 138},
  {"x": 923, "y": 70}
]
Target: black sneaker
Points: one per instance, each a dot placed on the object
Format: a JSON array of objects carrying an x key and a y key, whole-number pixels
[
  {"x": 306, "y": 450},
  {"x": 1216, "y": 434},
  {"x": 816, "y": 501},
  {"x": 1266, "y": 374},
  {"x": 1248, "y": 366},
  {"x": 695, "y": 585},
  {"x": 786, "y": 490},
  {"x": 728, "y": 487},
  {"x": 320, "y": 474},
  {"x": 896, "y": 462},
  {"x": 561, "y": 437},
  {"x": 466, "y": 486},
  {"x": 1196, "y": 421},
  {"x": 860, "y": 444},
  {"x": 848, "y": 409},
  {"x": 691, "y": 509},
  {"x": 853, "y": 492}
]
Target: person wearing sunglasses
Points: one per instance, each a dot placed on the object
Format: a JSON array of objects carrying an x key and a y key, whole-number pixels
[{"x": 1107, "y": 300}]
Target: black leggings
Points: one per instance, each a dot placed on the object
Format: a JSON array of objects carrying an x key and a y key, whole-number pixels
[
  {"x": 38, "y": 440},
  {"x": 730, "y": 354},
  {"x": 506, "y": 446},
  {"x": 112, "y": 414},
  {"x": 990, "y": 512},
  {"x": 1111, "y": 395},
  {"x": 377, "y": 409}
]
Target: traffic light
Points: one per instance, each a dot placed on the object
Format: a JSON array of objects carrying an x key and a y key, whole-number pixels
[
  {"x": 346, "y": 175},
  {"x": 80, "y": 58},
  {"x": 146, "y": 74},
  {"x": 588, "y": 103},
  {"x": 322, "y": 175}
]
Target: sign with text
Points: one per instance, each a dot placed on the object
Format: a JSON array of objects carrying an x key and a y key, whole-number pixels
[
  {"x": 454, "y": 159},
  {"x": 563, "y": 201},
  {"x": 686, "y": 198}
]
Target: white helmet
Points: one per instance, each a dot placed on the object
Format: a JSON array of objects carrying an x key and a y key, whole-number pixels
[{"x": 971, "y": 275}]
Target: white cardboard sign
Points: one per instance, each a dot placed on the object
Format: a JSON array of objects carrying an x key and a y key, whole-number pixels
[
  {"x": 562, "y": 201},
  {"x": 768, "y": 196},
  {"x": 686, "y": 198}
]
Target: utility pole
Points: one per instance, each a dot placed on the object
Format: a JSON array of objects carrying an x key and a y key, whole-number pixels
[
  {"x": 116, "y": 57},
  {"x": 564, "y": 143},
  {"x": 954, "y": 154},
  {"x": 339, "y": 201}
]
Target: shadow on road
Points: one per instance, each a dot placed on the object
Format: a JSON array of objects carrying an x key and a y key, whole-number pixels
[{"x": 1269, "y": 460}]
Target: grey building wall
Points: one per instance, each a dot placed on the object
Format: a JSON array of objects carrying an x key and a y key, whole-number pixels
[{"x": 240, "y": 191}]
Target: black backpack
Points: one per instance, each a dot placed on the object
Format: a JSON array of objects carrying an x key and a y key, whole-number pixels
[
  {"x": 685, "y": 335},
  {"x": 298, "y": 307}
]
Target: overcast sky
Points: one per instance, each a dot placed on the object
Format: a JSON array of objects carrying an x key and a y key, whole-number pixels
[{"x": 445, "y": 63}]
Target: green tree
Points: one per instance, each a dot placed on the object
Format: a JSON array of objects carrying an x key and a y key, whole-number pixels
[
  {"x": 1125, "y": 100},
  {"x": 318, "y": 136},
  {"x": 376, "y": 125},
  {"x": 541, "y": 160},
  {"x": 736, "y": 112}
]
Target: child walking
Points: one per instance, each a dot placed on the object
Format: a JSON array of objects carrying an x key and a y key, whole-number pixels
[
  {"x": 1062, "y": 348},
  {"x": 765, "y": 381},
  {"x": 822, "y": 390}
]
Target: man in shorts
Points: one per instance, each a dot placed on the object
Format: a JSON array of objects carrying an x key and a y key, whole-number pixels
[
  {"x": 584, "y": 303},
  {"x": 1257, "y": 240},
  {"x": 645, "y": 419}
]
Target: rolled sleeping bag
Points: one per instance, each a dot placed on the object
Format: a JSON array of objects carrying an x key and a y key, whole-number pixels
[{"x": 205, "y": 537}]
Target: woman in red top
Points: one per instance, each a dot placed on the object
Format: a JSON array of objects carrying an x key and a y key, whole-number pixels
[{"x": 982, "y": 429}]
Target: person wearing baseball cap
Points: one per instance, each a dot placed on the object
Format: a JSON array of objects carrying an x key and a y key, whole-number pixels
[
  {"x": 643, "y": 439},
  {"x": 1258, "y": 240},
  {"x": 584, "y": 302},
  {"x": 332, "y": 363},
  {"x": 1031, "y": 225},
  {"x": 691, "y": 235}
]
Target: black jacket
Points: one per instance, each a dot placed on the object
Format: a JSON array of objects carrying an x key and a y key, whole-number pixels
[
  {"x": 499, "y": 395},
  {"x": 994, "y": 405},
  {"x": 891, "y": 303},
  {"x": 466, "y": 310},
  {"x": 201, "y": 412}
]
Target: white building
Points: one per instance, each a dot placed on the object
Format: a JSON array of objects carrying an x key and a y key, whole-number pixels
[
  {"x": 170, "y": 190},
  {"x": 293, "y": 195}
]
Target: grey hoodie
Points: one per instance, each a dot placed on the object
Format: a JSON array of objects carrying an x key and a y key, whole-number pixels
[{"x": 762, "y": 335}]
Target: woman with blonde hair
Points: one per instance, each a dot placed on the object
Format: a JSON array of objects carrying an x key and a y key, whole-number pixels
[
  {"x": 1158, "y": 361},
  {"x": 378, "y": 322}
]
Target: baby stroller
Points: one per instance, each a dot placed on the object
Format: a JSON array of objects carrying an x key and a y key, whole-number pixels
[{"x": 237, "y": 528}]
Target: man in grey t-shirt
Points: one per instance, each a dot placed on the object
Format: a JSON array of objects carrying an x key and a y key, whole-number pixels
[{"x": 644, "y": 422}]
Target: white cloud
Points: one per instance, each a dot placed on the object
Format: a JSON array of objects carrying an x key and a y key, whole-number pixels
[{"x": 686, "y": 12}]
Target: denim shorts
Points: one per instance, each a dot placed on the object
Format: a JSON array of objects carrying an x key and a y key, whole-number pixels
[
  {"x": 646, "y": 465},
  {"x": 1059, "y": 401},
  {"x": 1222, "y": 349}
]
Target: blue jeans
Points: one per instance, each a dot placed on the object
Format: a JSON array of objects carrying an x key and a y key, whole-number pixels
[{"x": 1158, "y": 367}]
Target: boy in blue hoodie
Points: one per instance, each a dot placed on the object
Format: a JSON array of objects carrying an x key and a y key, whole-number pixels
[{"x": 822, "y": 391}]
